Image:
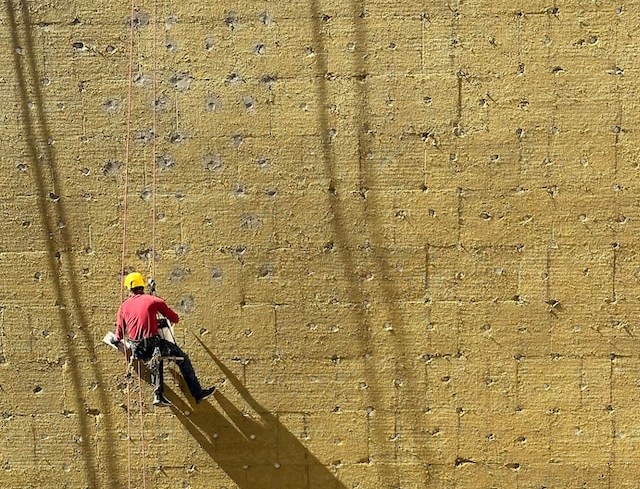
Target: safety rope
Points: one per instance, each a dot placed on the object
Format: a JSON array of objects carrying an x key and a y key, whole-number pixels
[
  {"x": 124, "y": 227},
  {"x": 142, "y": 450},
  {"x": 125, "y": 208},
  {"x": 154, "y": 208},
  {"x": 124, "y": 223},
  {"x": 153, "y": 228}
]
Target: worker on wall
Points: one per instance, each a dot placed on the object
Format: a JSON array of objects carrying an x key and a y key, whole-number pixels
[{"x": 137, "y": 320}]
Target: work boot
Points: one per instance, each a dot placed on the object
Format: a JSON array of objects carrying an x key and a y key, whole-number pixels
[
  {"x": 161, "y": 401},
  {"x": 204, "y": 393}
]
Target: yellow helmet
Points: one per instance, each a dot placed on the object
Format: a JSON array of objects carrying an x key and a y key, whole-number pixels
[{"x": 133, "y": 280}]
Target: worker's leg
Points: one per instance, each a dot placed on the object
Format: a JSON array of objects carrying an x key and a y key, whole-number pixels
[
  {"x": 149, "y": 351},
  {"x": 186, "y": 368},
  {"x": 156, "y": 368}
]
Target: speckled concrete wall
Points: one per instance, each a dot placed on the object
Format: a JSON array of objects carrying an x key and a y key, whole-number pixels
[{"x": 402, "y": 236}]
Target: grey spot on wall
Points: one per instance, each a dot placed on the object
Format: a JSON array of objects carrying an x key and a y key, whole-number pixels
[
  {"x": 171, "y": 45},
  {"x": 181, "y": 81},
  {"x": 161, "y": 103},
  {"x": 265, "y": 270},
  {"x": 239, "y": 253},
  {"x": 177, "y": 137},
  {"x": 239, "y": 189},
  {"x": 237, "y": 140},
  {"x": 216, "y": 273},
  {"x": 139, "y": 19},
  {"x": 209, "y": 43},
  {"x": 165, "y": 161},
  {"x": 178, "y": 274},
  {"x": 271, "y": 191},
  {"x": 145, "y": 193},
  {"x": 142, "y": 79},
  {"x": 213, "y": 103},
  {"x": 109, "y": 49},
  {"x": 268, "y": 80},
  {"x": 186, "y": 304},
  {"x": 231, "y": 19},
  {"x": 249, "y": 102},
  {"x": 250, "y": 222},
  {"x": 144, "y": 253},
  {"x": 181, "y": 249},
  {"x": 265, "y": 18},
  {"x": 92, "y": 411},
  {"x": 259, "y": 49},
  {"x": 79, "y": 47},
  {"x": 263, "y": 162},
  {"x": 111, "y": 167},
  {"x": 234, "y": 78},
  {"x": 213, "y": 162},
  {"x": 144, "y": 137},
  {"x": 21, "y": 167},
  {"x": 170, "y": 22},
  {"x": 112, "y": 105}
]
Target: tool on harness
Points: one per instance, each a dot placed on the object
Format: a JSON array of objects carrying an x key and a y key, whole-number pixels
[{"x": 165, "y": 328}]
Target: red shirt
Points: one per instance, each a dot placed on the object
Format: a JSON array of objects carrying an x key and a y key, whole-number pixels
[{"x": 137, "y": 316}]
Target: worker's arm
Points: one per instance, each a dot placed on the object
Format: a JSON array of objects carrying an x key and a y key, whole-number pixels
[
  {"x": 120, "y": 326},
  {"x": 167, "y": 312}
]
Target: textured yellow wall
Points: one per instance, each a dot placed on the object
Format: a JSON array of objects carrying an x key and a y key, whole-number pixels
[{"x": 402, "y": 237}]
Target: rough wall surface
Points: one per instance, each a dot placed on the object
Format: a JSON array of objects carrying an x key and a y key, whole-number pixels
[{"x": 402, "y": 237}]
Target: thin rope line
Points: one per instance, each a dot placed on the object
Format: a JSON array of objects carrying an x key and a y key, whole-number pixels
[
  {"x": 153, "y": 232},
  {"x": 154, "y": 209},
  {"x": 124, "y": 222},
  {"x": 142, "y": 439},
  {"x": 128, "y": 424}
]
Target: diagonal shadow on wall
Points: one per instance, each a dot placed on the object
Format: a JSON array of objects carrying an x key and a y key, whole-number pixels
[
  {"x": 57, "y": 239},
  {"x": 383, "y": 294},
  {"x": 256, "y": 453}
]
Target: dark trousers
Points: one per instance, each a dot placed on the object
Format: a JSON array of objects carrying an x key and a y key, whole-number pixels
[{"x": 155, "y": 346}]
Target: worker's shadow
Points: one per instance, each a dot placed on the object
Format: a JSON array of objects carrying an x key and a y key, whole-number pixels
[{"x": 257, "y": 453}]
